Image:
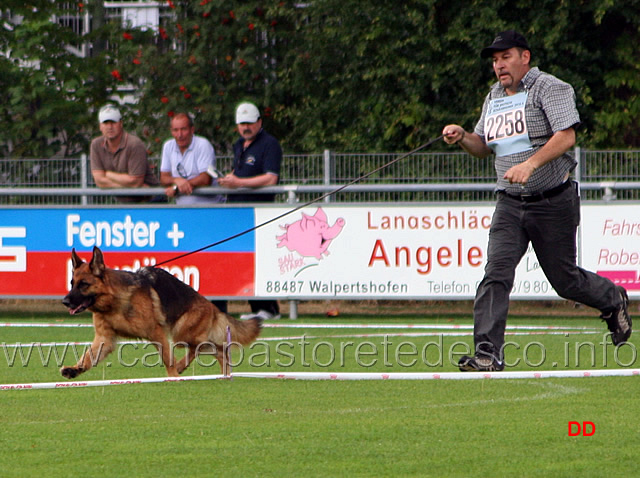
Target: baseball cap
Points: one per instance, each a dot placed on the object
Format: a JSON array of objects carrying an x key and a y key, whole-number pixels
[
  {"x": 504, "y": 41},
  {"x": 109, "y": 113},
  {"x": 247, "y": 113}
]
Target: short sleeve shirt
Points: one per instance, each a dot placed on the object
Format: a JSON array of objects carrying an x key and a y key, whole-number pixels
[
  {"x": 194, "y": 161},
  {"x": 130, "y": 158},
  {"x": 550, "y": 107},
  {"x": 264, "y": 155}
]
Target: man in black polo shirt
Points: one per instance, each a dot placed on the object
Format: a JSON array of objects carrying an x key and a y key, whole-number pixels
[{"x": 257, "y": 159}]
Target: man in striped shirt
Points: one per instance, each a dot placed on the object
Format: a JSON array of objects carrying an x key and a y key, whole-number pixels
[{"x": 529, "y": 120}]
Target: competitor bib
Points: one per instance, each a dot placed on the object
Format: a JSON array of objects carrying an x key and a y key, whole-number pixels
[{"x": 505, "y": 125}]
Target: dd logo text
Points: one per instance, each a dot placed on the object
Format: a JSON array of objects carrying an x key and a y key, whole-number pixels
[{"x": 587, "y": 429}]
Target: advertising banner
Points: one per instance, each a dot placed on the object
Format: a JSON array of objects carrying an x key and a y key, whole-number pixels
[
  {"x": 611, "y": 243},
  {"x": 318, "y": 252},
  {"x": 35, "y": 246},
  {"x": 402, "y": 252}
]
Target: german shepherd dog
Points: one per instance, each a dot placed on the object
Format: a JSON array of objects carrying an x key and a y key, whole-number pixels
[{"x": 148, "y": 304}]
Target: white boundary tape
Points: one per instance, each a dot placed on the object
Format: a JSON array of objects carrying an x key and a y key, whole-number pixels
[
  {"x": 417, "y": 326},
  {"x": 338, "y": 326},
  {"x": 420, "y": 334},
  {"x": 104, "y": 383},
  {"x": 440, "y": 376},
  {"x": 335, "y": 376},
  {"x": 38, "y": 324}
]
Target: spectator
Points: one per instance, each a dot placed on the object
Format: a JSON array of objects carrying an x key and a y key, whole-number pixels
[
  {"x": 185, "y": 161},
  {"x": 257, "y": 158},
  {"x": 119, "y": 159}
]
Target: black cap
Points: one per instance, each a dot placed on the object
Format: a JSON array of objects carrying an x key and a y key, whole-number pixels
[{"x": 504, "y": 41}]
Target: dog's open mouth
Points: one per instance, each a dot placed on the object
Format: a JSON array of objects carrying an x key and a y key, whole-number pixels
[{"x": 73, "y": 310}]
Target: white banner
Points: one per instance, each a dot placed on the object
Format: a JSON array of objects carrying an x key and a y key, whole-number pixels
[
  {"x": 371, "y": 251},
  {"x": 611, "y": 243}
]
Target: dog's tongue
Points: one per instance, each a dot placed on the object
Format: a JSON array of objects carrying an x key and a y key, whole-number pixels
[{"x": 78, "y": 309}]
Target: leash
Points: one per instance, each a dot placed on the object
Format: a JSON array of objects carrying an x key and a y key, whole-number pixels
[{"x": 302, "y": 206}]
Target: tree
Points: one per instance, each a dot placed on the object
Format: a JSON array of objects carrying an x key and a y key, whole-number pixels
[
  {"x": 389, "y": 75},
  {"x": 341, "y": 74},
  {"x": 50, "y": 94},
  {"x": 205, "y": 61}
]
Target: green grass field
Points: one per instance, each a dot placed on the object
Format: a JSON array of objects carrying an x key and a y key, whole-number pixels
[{"x": 261, "y": 427}]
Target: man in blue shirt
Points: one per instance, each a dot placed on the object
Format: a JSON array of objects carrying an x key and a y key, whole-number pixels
[{"x": 257, "y": 159}]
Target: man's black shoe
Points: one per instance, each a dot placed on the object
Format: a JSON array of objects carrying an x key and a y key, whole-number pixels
[
  {"x": 618, "y": 320},
  {"x": 480, "y": 363}
]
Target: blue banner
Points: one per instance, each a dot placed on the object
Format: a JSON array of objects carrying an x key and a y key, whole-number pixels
[{"x": 154, "y": 229}]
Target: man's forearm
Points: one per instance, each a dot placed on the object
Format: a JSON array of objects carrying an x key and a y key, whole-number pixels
[
  {"x": 474, "y": 145},
  {"x": 557, "y": 145},
  {"x": 124, "y": 180}
]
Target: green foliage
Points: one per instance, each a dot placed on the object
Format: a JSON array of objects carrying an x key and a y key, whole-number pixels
[
  {"x": 338, "y": 74},
  {"x": 48, "y": 92},
  {"x": 618, "y": 119},
  {"x": 206, "y": 60}
]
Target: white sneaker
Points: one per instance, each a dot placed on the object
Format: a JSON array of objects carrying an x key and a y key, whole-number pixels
[{"x": 261, "y": 314}]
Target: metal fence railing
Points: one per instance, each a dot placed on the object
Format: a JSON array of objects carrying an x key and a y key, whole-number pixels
[
  {"x": 610, "y": 169},
  {"x": 422, "y": 177}
]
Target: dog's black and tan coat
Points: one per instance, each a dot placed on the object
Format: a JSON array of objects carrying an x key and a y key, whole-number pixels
[{"x": 149, "y": 304}]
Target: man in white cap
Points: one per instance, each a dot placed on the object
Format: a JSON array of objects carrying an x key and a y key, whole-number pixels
[
  {"x": 257, "y": 157},
  {"x": 119, "y": 159},
  {"x": 257, "y": 160}
]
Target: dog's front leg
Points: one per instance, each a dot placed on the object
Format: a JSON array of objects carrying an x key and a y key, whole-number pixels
[{"x": 100, "y": 348}]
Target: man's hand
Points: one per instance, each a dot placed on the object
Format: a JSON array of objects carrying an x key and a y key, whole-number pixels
[
  {"x": 453, "y": 133},
  {"x": 470, "y": 142},
  {"x": 520, "y": 173},
  {"x": 181, "y": 187},
  {"x": 230, "y": 181}
]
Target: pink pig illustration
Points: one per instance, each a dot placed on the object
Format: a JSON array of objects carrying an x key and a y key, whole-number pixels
[{"x": 311, "y": 235}]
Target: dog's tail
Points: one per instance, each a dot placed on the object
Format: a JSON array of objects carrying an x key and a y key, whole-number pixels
[{"x": 243, "y": 332}]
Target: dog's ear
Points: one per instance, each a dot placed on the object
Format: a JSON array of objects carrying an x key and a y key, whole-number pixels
[
  {"x": 97, "y": 262},
  {"x": 75, "y": 259}
]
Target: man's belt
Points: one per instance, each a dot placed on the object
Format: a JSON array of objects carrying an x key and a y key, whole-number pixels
[{"x": 549, "y": 193}]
